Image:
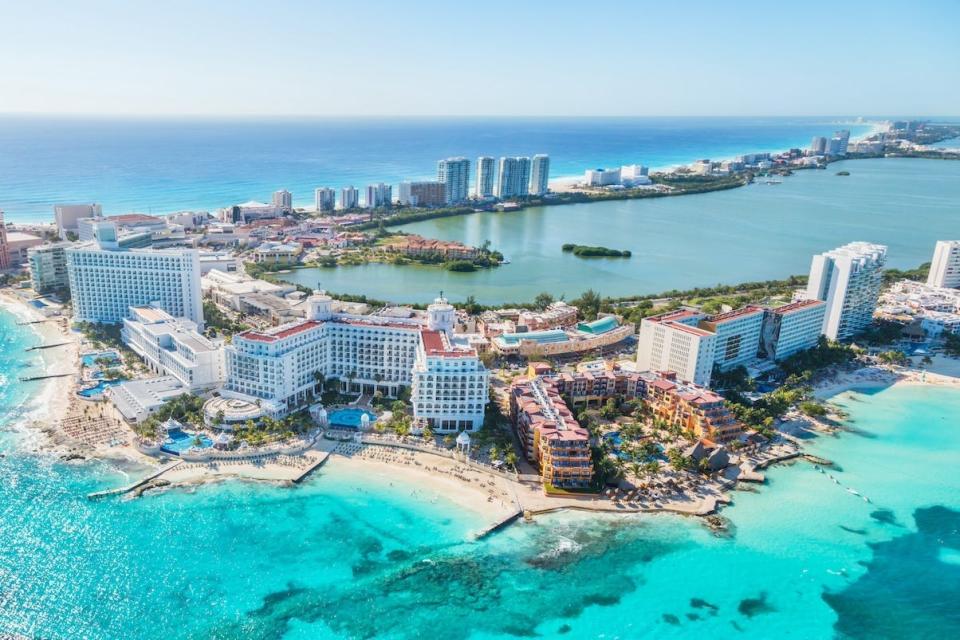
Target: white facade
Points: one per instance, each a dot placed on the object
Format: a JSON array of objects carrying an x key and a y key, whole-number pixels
[
  {"x": 105, "y": 284},
  {"x": 378, "y": 195},
  {"x": 283, "y": 201},
  {"x": 540, "y": 174},
  {"x": 349, "y": 198},
  {"x": 325, "y": 199},
  {"x": 67, "y": 215},
  {"x": 848, "y": 279},
  {"x": 792, "y": 328},
  {"x": 513, "y": 177},
  {"x": 279, "y": 366},
  {"x": 173, "y": 347},
  {"x": 449, "y": 385},
  {"x": 136, "y": 400},
  {"x": 945, "y": 266},
  {"x": 48, "y": 267},
  {"x": 738, "y": 336},
  {"x": 486, "y": 177},
  {"x": 454, "y": 173},
  {"x": 673, "y": 342},
  {"x": 601, "y": 177}
]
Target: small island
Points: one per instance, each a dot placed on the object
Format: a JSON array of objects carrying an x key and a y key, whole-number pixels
[
  {"x": 586, "y": 251},
  {"x": 843, "y": 173}
]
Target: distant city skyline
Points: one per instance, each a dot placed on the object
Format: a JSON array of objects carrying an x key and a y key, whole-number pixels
[{"x": 561, "y": 58}]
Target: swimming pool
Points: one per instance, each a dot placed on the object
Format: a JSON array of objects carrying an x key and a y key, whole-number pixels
[
  {"x": 99, "y": 388},
  {"x": 349, "y": 417},
  {"x": 90, "y": 359},
  {"x": 39, "y": 304},
  {"x": 179, "y": 441}
]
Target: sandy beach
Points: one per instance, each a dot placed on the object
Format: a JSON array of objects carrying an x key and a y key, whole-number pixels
[{"x": 943, "y": 371}]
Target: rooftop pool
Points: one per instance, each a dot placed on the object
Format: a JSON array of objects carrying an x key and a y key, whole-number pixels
[{"x": 349, "y": 417}]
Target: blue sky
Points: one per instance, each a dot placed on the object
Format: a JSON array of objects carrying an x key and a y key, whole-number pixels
[{"x": 488, "y": 57}]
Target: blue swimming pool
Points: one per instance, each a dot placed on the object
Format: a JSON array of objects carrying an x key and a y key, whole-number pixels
[
  {"x": 98, "y": 389},
  {"x": 39, "y": 304},
  {"x": 90, "y": 359},
  {"x": 349, "y": 417},
  {"x": 179, "y": 441}
]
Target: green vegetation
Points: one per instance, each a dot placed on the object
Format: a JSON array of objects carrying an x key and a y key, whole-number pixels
[
  {"x": 186, "y": 409},
  {"x": 893, "y": 357},
  {"x": 218, "y": 323},
  {"x": 919, "y": 274},
  {"x": 951, "y": 345},
  {"x": 586, "y": 251},
  {"x": 462, "y": 266}
]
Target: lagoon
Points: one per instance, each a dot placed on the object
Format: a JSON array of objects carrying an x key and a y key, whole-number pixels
[{"x": 757, "y": 232}]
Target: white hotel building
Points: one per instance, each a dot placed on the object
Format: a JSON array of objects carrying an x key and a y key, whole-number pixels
[
  {"x": 792, "y": 328},
  {"x": 674, "y": 342},
  {"x": 277, "y": 369},
  {"x": 105, "y": 283},
  {"x": 738, "y": 336},
  {"x": 173, "y": 347},
  {"x": 848, "y": 279},
  {"x": 945, "y": 266}
]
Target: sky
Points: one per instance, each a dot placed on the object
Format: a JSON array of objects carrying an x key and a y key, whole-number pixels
[{"x": 493, "y": 57}]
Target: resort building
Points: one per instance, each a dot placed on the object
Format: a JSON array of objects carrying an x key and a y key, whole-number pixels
[
  {"x": 17, "y": 245},
  {"x": 4, "y": 257},
  {"x": 945, "y": 266},
  {"x": 414, "y": 245},
  {"x": 596, "y": 387},
  {"x": 551, "y": 437},
  {"x": 673, "y": 342},
  {"x": 48, "y": 267},
  {"x": 349, "y": 198},
  {"x": 513, "y": 177},
  {"x": 558, "y": 315},
  {"x": 818, "y": 146},
  {"x": 454, "y": 173},
  {"x": 791, "y": 328},
  {"x": 173, "y": 347},
  {"x": 236, "y": 290},
  {"x": 284, "y": 253},
  {"x": 249, "y": 211},
  {"x": 278, "y": 369},
  {"x": 378, "y": 196},
  {"x": 738, "y": 336},
  {"x": 586, "y": 336},
  {"x": 601, "y": 177},
  {"x": 136, "y": 400},
  {"x": 67, "y": 215},
  {"x": 694, "y": 409},
  {"x": 325, "y": 199},
  {"x": 283, "y": 201},
  {"x": 105, "y": 283},
  {"x": 848, "y": 279},
  {"x": 539, "y": 175},
  {"x": 219, "y": 260},
  {"x": 486, "y": 177}
]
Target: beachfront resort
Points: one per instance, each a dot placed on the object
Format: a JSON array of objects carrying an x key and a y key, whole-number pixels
[{"x": 191, "y": 351}]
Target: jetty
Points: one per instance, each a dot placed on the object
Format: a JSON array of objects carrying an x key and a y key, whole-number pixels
[
  {"x": 26, "y": 322},
  {"x": 498, "y": 525},
  {"x": 106, "y": 493},
  {"x": 48, "y": 346},
  {"x": 324, "y": 456},
  {"x": 44, "y": 376}
]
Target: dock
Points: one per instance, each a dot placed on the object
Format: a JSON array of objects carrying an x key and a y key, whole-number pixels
[
  {"x": 324, "y": 455},
  {"x": 45, "y": 376},
  {"x": 106, "y": 493},
  {"x": 498, "y": 525},
  {"x": 26, "y": 322},
  {"x": 47, "y": 346}
]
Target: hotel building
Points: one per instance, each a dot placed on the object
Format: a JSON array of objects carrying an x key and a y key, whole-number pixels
[
  {"x": 325, "y": 199},
  {"x": 105, "y": 283},
  {"x": 945, "y": 266},
  {"x": 48, "y": 267},
  {"x": 4, "y": 256},
  {"x": 673, "y": 342},
  {"x": 791, "y": 328},
  {"x": 694, "y": 409},
  {"x": 738, "y": 336},
  {"x": 848, "y": 279},
  {"x": 277, "y": 369},
  {"x": 539, "y": 175},
  {"x": 423, "y": 194},
  {"x": 174, "y": 347},
  {"x": 551, "y": 437},
  {"x": 486, "y": 177},
  {"x": 283, "y": 201},
  {"x": 67, "y": 215},
  {"x": 454, "y": 173},
  {"x": 513, "y": 177},
  {"x": 349, "y": 198},
  {"x": 378, "y": 195}
]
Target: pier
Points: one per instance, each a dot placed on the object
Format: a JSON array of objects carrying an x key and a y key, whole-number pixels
[
  {"x": 324, "y": 455},
  {"x": 26, "y": 322},
  {"x": 45, "y": 376},
  {"x": 106, "y": 493},
  {"x": 47, "y": 346},
  {"x": 498, "y": 525}
]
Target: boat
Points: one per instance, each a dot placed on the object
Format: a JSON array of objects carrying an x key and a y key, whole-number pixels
[
  {"x": 853, "y": 491},
  {"x": 773, "y": 182}
]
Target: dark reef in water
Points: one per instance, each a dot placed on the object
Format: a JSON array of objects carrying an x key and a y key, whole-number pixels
[
  {"x": 859, "y": 532},
  {"x": 669, "y": 618},
  {"x": 751, "y": 607},
  {"x": 885, "y": 516},
  {"x": 907, "y": 590}
]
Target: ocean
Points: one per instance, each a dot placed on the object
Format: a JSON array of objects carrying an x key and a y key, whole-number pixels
[{"x": 164, "y": 165}]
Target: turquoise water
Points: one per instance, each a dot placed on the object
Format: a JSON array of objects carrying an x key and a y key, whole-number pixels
[
  {"x": 158, "y": 166},
  {"x": 756, "y": 232},
  {"x": 357, "y": 555},
  {"x": 90, "y": 359},
  {"x": 350, "y": 417},
  {"x": 98, "y": 389},
  {"x": 180, "y": 441}
]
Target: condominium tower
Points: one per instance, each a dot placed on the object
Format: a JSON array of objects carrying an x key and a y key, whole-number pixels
[
  {"x": 349, "y": 198},
  {"x": 454, "y": 173},
  {"x": 283, "y": 201},
  {"x": 540, "y": 175},
  {"x": 325, "y": 199},
  {"x": 513, "y": 177},
  {"x": 945, "y": 267},
  {"x": 378, "y": 195},
  {"x": 486, "y": 177},
  {"x": 67, "y": 215},
  {"x": 848, "y": 279}
]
